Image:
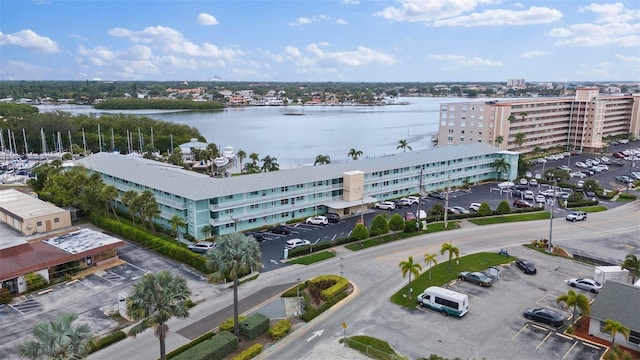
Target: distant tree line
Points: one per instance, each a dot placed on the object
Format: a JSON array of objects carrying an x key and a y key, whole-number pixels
[{"x": 130, "y": 104}]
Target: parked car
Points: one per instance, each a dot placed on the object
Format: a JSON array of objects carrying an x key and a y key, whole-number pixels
[
  {"x": 476, "y": 278},
  {"x": 385, "y": 205},
  {"x": 317, "y": 220},
  {"x": 541, "y": 199},
  {"x": 474, "y": 206},
  {"x": 452, "y": 211},
  {"x": 280, "y": 229},
  {"x": 545, "y": 316},
  {"x": 461, "y": 210},
  {"x": 624, "y": 179},
  {"x": 294, "y": 243},
  {"x": 414, "y": 200},
  {"x": 437, "y": 195},
  {"x": 202, "y": 247},
  {"x": 526, "y": 266},
  {"x": 258, "y": 235},
  {"x": 585, "y": 284},
  {"x": 521, "y": 203},
  {"x": 618, "y": 155},
  {"x": 528, "y": 195},
  {"x": 616, "y": 163},
  {"x": 406, "y": 202},
  {"x": 409, "y": 216},
  {"x": 524, "y": 181},
  {"x": 533, "y": 182},
  {"x": 576, "y": 215},
  {"x": 580, "y": 164},
  {"x": 332, "y": 217},
  {"x": 578, "y": 174}
]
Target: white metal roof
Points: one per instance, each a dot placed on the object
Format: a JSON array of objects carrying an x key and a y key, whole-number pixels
[{"x": 25, "y": 206}]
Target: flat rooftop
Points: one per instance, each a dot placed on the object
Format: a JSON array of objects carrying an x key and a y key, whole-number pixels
[
  {"x": 24, "y": 206},
  {"x": 80, "y": 241}
]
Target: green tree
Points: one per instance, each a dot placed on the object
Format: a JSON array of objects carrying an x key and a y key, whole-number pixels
[
  {"x": 484, "y": 210},
  {"x": 150, "y": 208},
  {"x": 430, "y": 259},
  {"x": 360, "y": 232},
  {"x": 556, "y": 174},
  {"x": 511, "y": 118},
  {"x": 236, "y": 255},
  {"x": 402, "y": 144},
  {"x": 500, "y": 166},
  {"x": 520, "y": 137},
  {"x": 524, "y": 165},
  {"x": 241, "y": 155},
  {"x": 108, "y": 194},
  {"x": 590, "y": 185},
  {"x": 577, "y": 302},
  {"x": 396, "y": 222},
  {"x": 176, "y": 222},
  {"x": 175, "y": 157},
  {"x": 269, "y": 164},
  {"x": 616, "y": 327},
  {"x": 206, "y": 231},
  {"x": 452, "y": 250},
  {"x": 129, "y": 200},
  {"x": 58, "y": 339},
  {"x": 254, "y": 157},
  {"x": 499, "y": 140},
  {"x": 155, "y": 299},
  {"x": 354, "y": 154},
  {"x": 632, "y": 263},
  {"x": 503, "y": 208},
  {"x": 322, "y": 159},
  {"x": 437, "y": 210},
  {"x": 380, "y": 225},
  {"x": 411, "y": 268},
  {"x": 35, "y": 281}
]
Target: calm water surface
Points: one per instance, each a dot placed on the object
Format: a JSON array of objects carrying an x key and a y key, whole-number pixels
[{"x": 296, "y": 140}]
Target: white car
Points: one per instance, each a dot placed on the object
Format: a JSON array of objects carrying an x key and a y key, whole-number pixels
[
  {"x": 528, "y": 195},
  {"x": 474, "y": 206},
  {"x": 580, "y": 164},
  {"x": 578, "y": 174},
  {"x": 414, "y": 200},
  {"x": 461, "y": 210},
  {"x": 405, "y": 202},
  {"x": 533, "y": 182},
  {"x": 541, "y": 199},
  {"x": 294, "y": 243},
  {"x": 576, "y": 215},
  {"x": 317, "y": 220},
  {"x": 524, "y": 182},
  {"x": 385, "y": 205},
  {"x": 202, "y": 247},
  {"x": 585, "y": 284}
]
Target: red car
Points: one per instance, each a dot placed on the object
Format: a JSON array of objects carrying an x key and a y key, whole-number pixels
[
  {"x": 409, "y": 216},
  {"x": 522, "y": 204},
  {"x": 618, "y": 155}
]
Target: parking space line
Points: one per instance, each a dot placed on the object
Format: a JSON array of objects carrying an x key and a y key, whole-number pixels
[
  {"x": 589, "y": 344},
  {"x": 571, "y": 348},
  {"x": 543, "y": 340},
  {"x": 521, "y": 330}
]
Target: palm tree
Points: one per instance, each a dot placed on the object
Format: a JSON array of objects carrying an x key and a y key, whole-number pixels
[
  {"x": 616, "y": 327},
  {"x": 254, "y": 158},
  {"x": 430, "y": 259},
  {"x": 206, "y": 231},
  {"x": 501, "y": 166},
  {"x": 408, "y": 266},
  {"x": 58, "y": 339},
  {"x": 632, "y": 263},
  {"x": 149, "y": 207},
  {"x": 499, "y": 140},
  {"x": 176, "y": 222},
  {"x": 241, "y": 155},
  {"x": 577, "y": 301},
  {"x": 269, "y": 164},
  {"x": 108, "y": 194},
  {"x": 452, "y": 250},
  {"x": 402, "y": 144},
  {"x": 214, "y": 151},
  {"x": 511, "y": 118},
  {"x": 155, "y": 299},
  {"x": 520, "y": 138},
  {"x": 128, "y": 200},
  {"x": 235, "y": 256},
  {"x": 354, "y": 154},
  {"x": 322, "y": 159}
]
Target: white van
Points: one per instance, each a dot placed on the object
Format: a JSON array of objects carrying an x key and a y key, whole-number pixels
[{"x": 448, "y": 302}]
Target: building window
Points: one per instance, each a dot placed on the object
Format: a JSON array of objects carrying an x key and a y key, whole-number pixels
[
  {"x": 284, "y": 188},
  {"x": 39, "y": 223},
  {"x": 251, "y": 221},
  {"x": 253, "y": 193},
  {"x": 634, "y": 337},
  {"x": 255, "y": 206},
  {"x": 56, "y": 220},
  {"x": 461, "y": 138},
  {"x": 450, "y": 131},
  {"x": 450, "y": 138},
  {"x": 284, "y": 201},
  {"x": 462, "y": 131}
]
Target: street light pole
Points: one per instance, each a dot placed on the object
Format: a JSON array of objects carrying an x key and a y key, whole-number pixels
[
  {"x": 553, "y": 201},
  {"x": 298, "y": 296}
]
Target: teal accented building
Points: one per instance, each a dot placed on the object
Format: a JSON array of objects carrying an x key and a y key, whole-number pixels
[{"x": 251, "y": 201}]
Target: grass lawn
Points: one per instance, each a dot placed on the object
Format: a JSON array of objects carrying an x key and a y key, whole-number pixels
[
  {"x": 540, "y": 215},
  {"x": 441, "y": 274},
  {"x": 379, "y": 240},
  {"x": 372, "y": 347},
  {"x": 594, "y": 208},
  {"x": 315, "y": 257}
]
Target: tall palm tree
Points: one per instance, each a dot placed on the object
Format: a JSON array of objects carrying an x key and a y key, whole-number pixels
[
  {"x": 501, "y": 166},
  {"x": 206, "y": 231},
  {"x": 402, "y": 144},
  {"x": 577, "y": 301},
  {"x": 452, "y": 250},
  {"x": 108, "y": 194},
  {"x": 155, "y": 299},
  {"x": 58, "y": 339},
  {"x": 430, "y": 259},
  {"x": 214, "y": 151},
  {"x": 354, "y": 154},
  {"x": 241, "y": 155},
  {"x": 411, "y": 268},
  {"x": 322, "y": 159},
  {"x": 128, "y": 200},
  {"x": 235, "y": 256},
  {"x": 512, "y": 118},
  {"x": 269, "y": 164},
  {"x": 176, "y": 222},
  {"x": 616, "y": 327},
  {"x": 520, "y": 137},
  {"x": 632, "y": 263},
  {"x": 149, "y": 208},
  {"x": 499, "y": 140},
  {"x": 254, "y": 158}
]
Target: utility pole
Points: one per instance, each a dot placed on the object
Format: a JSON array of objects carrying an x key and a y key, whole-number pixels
[
  {"x": 446, "y": 201},
  {"x": 419, "y": 198},
  {"x": 552, "y": 202}
]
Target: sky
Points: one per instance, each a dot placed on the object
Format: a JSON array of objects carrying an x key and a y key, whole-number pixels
[{"x": 320, "y": 40}]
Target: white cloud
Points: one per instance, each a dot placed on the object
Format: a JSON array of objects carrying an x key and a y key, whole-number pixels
[
  {"x": 30, "y": 40},
  {"x": 629, "y": 59},
  {"x": 292, "y": 51},
  {"x": 611, "y": 13},
  {"x": 531, "y": 16},
  {"x": 360, "y": 56},
  {"x": 535, "y": 53},
  {"x": 464, "y": 61},
  {"x": 341, "y": 22},
  {"x": 350, "y": 2},
  {"x": 20, "y": 70},
  {"x": 620, "y": 34},
  {"x": 309, "y": 20},
  {"x": 428, "y": 11},
  {"x": 206, "y": 19}
]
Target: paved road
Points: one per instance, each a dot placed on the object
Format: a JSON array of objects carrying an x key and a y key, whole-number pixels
[{"x": 374, "y": 272}]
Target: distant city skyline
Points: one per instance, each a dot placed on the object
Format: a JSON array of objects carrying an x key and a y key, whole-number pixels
[{"x": 317, "y": 41}]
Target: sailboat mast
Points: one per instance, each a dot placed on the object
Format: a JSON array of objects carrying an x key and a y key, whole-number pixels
[
  {"x": 99, "y": 139},
  {"x": 84, "y": 143},
  {"x": 26, "y": 147}
]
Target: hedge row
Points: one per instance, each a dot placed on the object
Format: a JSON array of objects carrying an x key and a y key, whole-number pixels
[
  {"x": 228, "y": 324},
  {"x": 249, "y": 353},
  {"x": 215, "y": 348},
  {"x": 101, "y": 343},
  {"x": 311, "y": 313},
  {"x": 340, "y": 285},
  {"x": 189, "y": 345},
  {"x": 254, "y": 326},
  {"x": 163, "y": 247},
  {"x": 573, "y": 204},
  {"x": 280, "y": 329}
]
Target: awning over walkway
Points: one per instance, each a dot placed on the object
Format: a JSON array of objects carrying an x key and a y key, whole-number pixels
[{"x": 341, "y": 204}]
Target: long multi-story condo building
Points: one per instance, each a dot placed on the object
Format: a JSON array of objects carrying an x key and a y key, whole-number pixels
[
  {"x": 580, "y": 123},
  {"x": 239, "y": 203}
]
